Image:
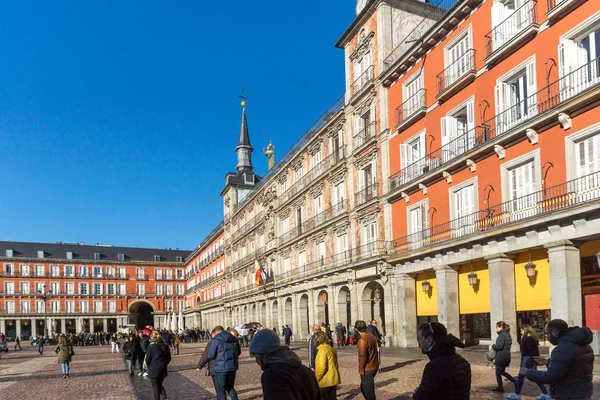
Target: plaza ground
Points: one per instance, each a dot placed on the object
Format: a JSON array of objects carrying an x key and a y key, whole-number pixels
[{"x": 99, "y": 374}]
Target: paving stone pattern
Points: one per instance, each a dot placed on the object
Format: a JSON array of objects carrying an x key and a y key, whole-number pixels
[{"x": 96, "y": 373}]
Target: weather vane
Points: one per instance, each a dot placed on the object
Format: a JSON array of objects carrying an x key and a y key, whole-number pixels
[{"x": 243, "y": 98}]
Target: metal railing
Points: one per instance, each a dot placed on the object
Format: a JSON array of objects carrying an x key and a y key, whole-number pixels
[
  {"x": 367, "y": 194},
  {"x": 559, "y": 197},
  {"x": 411, "y": 106},
  {"x": 464, "y": 64},
  {"x": 368, "y": 132},
  {"x": 314, "y": 222},
  {"x": 247, "y": 226},
  {"x": 515, "y": 23},
  {"x": 363, "y": 79}
]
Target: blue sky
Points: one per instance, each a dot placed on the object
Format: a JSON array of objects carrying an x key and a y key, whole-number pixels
[{"x": 118, "y": 120}]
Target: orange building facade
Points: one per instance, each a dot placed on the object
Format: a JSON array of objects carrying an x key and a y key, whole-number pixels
[
  {"x": 494, "y": 165},
  {"x": 75, "y": 287}
]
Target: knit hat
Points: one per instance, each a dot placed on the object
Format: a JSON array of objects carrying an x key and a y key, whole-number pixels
[{"x": 264, "y": 341}]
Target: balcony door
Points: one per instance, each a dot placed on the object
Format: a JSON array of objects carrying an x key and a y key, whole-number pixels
[{"x": 588, "y": 168}]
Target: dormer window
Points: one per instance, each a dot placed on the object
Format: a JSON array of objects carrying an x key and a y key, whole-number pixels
[
  {"x": 157, "y": 258},
  {"x": 179, "y": 259},
  {"x": 9, "y": 253},
  {"x": 69, "y": 255},
  {"x": 40, "y": 254},
  {"x": 121, "y": 257},
  {"x": 97, "y": 256}
]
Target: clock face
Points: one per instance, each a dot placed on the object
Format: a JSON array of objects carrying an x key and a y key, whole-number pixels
[{"x": 360, "y": 4}]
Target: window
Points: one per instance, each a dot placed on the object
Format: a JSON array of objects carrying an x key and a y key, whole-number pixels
[
  {"x": 98, "y": 306},
  {"x": 370, "y": 235},
  {"x": 283, "y": 187},
  {"x": 69, "y": 255},
  {"x": 122, "y": 289},
  {"x": 40, "y": 307},
  {"x": 97, "y": 272},
  {"x": 580, "y": 49},
  {"x": 339, "y": 195},
  {"x": 363, "y": 126},
  {"x": 366, "y": 181},
  {"x": 158, "y": 288},
  {"x": 40, "y": 287},
  {"x": 111, "y": 272},
  {"x": 121, "y": 257},
  {"x": 25, "y": 307},
  {"x": 458, "y": 132},
  {"x": 55, "y": 306},
  {"x": 521, "y": 178},
  {"x": 318, "y": 205},
  {"x": 9, "y": 253},
  {"x": 169, "y": 305},
  {"x": 9, "y": 269},
  {"x": 54, "y": 270},
  {"x": 83, "y": 271},
  {"x": 110, "y": 288},
  {"x": 70, "y": 306},
  {"x": 40, "y": 270},
  {"x": 587, "y": 165},
  {"x": 336, "y": 144},
  {"x": 25, "y": 287},
  {"x": 181, "y": 304},
  {"x": 10, "y": 306},
  {"x": 412, "y": 157},
  {"x": 40, "y": 254},
  {"x": 169, "y": 290},
  {"x": 509, "y": 18},
  {"x": 315, "y": 159},
  {"x": 413, "y": 95},
  {"x": 298, "y": 173},
  {"x": 285, "y": 225},
  {"x": 320, "y": 252},
  {"x": 97, "y": 288},
  {"x": 83, "y": 288},
  {"x": 122, "y": 273},
  {"x": 158, "y": 273},
  {"x": 70, "y": 287},
  {"x": 168, "y": 273},
  {"x": 140, "y": 273},
  {"x": 97, "y": 256},
  {"x": 341, "y": 243},
  {"x": 157, "y": 258},
  {"x": 141, "y": 289},
  {"x": 459, "y": 59},
  {"x": 302, "y": 258},
  {"x": 84, "y": 306},
  {"x": 261, "y": 240},
  {"x": 287, "y": 265},
  {"x": 463, "y": 204},
  {"x": 363, "y": 71},
  {"x": 179, "y": 259},
  {"x": 515, "y": 96},
  {"x": 418, "y": 225},
  {"x": 24, "y": 270},
  {"x": 69, "y": 271},
  {"x": 180, "y": 289},
  {"x": 55, "y": 287},
  {"x": 112, "y": 306}
]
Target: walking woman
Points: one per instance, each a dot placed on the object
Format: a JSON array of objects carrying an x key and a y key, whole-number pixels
[
  {"x": 502, "y": 360},
  {"x": 41, "y": 344},
  {"x": 158, "y": 357},
  {"x": 65, "y": 352},
  {"x": 529, "y": 349},
  {"x": 326, "y": 367},
  {"x": 130, "y": 354}
]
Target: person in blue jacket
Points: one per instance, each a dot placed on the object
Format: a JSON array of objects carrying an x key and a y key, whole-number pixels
[{"x": 225, "y": 350}]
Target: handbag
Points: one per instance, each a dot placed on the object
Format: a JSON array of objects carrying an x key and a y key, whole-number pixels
[{"x": 491, "y": 355}]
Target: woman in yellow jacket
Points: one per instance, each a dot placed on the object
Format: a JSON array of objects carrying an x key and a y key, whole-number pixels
[{"x": 326, "y": 367}]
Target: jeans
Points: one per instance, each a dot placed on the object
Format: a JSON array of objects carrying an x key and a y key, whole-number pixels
[
  {"x": 527, "y": 362},
  {"x": 328, "y": 393},
  {"x": 130, "y": 366},
  {"x": 501, "y": 372},
  {"x": 224, "y": 383},
  {"x": 367, "y": 384},
  {"x": 114, "y": 346},
  {"x": 140, "y": 360},
  {"x": 65, "y": 368},
  {"x": 287, "y": 340},
  {"x": 157, "y": 388}
]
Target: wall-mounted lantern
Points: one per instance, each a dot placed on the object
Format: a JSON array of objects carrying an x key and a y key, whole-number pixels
[
  {"x": 426, "y": 286},
  {"x": 530, "y": 268},
  {"x": 472, "y": 277}
]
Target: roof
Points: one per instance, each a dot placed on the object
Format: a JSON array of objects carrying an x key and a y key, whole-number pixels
[
  {"x": 244, "y": 136},
  {"x": 58, "y": 251}
]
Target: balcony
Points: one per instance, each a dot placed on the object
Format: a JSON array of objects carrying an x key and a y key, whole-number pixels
[
  {"x": 362, "y": 82},
  {"x": 559, "y": 8},
  {"x": 365, "y": 135},
  {"x": 512, "y": 33},
  {"x": 245, "y": 228},
  {"x": 456, "y": 76},
  {"x": 367, "y": 194},
  {"x": 538, "y": 111},
  {"x": 560, "y": 197},
  {"x": 314, "y": 222},
  {"x": 411, "y": 110}
]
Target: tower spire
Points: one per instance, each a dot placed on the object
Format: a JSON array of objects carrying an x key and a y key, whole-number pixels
[{"x": 244, "y": 148}]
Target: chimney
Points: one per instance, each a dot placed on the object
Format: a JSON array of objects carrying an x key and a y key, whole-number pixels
[{"x": 270, "y": 153}]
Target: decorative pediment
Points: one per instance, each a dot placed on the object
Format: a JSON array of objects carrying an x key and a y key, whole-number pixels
[
  {"x": 368, "y": 217},
  {"x": 285, "y": 253},
  {"x": 250, "y": 207},
  {"x": 337, "y": 176},
  {"x": 316, "y": 191},
  {"x": 284, "y": 213},
  {"x": 297, "y": 164},
  {"x": 315, "y": 147},
  {"x": 335, "y": 129},
  {"x": 365, "y": 44},
  {"x": 282, "y": 177},
  {"x": 261, "y": 230},
  {"x": 365, "y": 106},
  {"x": 340, "y": 229},
  {"x": 300, "y": 246},
  {"x": 299, "y": 202},
  {"x": 319, "y": 237},
  {"x": 365, "y": 159}
]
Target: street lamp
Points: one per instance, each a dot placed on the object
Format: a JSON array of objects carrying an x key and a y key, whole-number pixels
[
  {"x": 530, "y": 268},
  {"x": 472, "y": 277},
  {"x": 377, "y": 294},
  {"x": 45, "y": 296},
  {"x": 426, "y": 286}
]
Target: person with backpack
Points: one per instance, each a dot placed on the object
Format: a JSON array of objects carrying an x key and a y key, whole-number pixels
[
  {"x": 529, "y": 350},
  {"x": 502, "y": 360}
]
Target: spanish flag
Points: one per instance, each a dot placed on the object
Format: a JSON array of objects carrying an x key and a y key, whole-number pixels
[{"x": 260, "y": 275}]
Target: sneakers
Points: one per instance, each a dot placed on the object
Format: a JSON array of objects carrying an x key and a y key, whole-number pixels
[
  {"x": 543, "y": 396},
  {"x": 145, "y": 374},
  {"x": 513, "y": 396},
  {"x": 498, "y": 390},
  {"x": 140, "y": 374}
]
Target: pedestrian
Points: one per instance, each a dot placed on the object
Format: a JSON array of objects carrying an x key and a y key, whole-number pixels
[
  {"x": 168, "y": 339},
  {"x": 18, "y": 343},
  {"x": 502, "y": 360},
  {"x": 114, "y": 344},
  {"x": 447, "y": 375},
  {"x": 158, "y": 358},
  {"x": 529, "y": 350},
  {"x": 225, "y": 351},
  {"x": 144, "y": 341},
  {"x": 287, "y": 334},
  {"x": 571, "y": 363},
  {"x": 130, "y": 354},
  {"x": 368, "y": 361},
  {"x": 65, "y": 353},
  {"x": 284, "y": 376},
  {"x": 176, "y": 343},
  {"x": 326, "y": 367},
  {"x": 41, "y": 345},
  {"x": 372, "y": 329},
  {"x": 312, "y": 349},
  {"x": 340, "y": 336},
  {"x": 210, "y": 370}
]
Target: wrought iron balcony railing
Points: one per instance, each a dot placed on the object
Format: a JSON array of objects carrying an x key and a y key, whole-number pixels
[
  {"x": 363, "y": 80},
  {"x": 560, "y": 197},
  {"x": 410, "y": 107},
  {"x": 368, "y": 132},
  {"x": 511, "y": 27},
  {"x": 459, "y": 68},
  {"x": 314, "y": 222},
  {"x": 367, "y": 194}
]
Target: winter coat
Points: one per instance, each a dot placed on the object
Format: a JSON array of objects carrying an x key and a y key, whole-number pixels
[
  {"x": 447, "y": 376},
  {"x": 375, "y": 332},
  {"x": 312, "y": 352},
  {"x": 144, "y": 343},
  {"x": 368, "y": 359},
  {"x": 285, "y": 377},
  {"x": 502, "y": 348},
  {"x": 167, "y": 338},
  {"x": 287, "y": 332},
  {"x": 158, "y": 358},
  {"x": 204, "y": 361},
  {"x": 569, "y": 371},
  {"x": 326, "y": 366},
  {"x": 64, "y": 353},
  {"x": 128, "y": 351},
  {"x": 529, "y": 347},
  {"x": 225, "y": 351}
]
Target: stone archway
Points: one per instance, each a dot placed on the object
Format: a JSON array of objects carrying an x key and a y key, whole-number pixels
[
  {"x": 373, "y": 304},
  {"x": 141, "y": 313},
  {"x": 344, "y": 307},
  {"x": 287, "y": 312},
  {"x": 303, "y": 312},
  {"x": 253, "y": 315},
  {"x": 198, "y": 302},
  {"x": 323, "y": 307},
  {"x": 263, "y": 314},
  {"x": 275, "y": 316}
]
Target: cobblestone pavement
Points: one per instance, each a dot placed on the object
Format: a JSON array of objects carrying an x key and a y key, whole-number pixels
[{"x": 99, "y": 374}]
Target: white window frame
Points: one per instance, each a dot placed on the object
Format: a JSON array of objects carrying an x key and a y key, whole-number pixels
[
  {"x": 409, "y": 209},
  {"x": 504, "y": 119},
  {"x": 416, "y": 102},
  {"x": 474, "y": 182},
  {"x": 523, "y": 159},
  {"x": 571, "y": 147}
]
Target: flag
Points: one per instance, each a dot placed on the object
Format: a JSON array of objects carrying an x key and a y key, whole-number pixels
[{"x": 260, "y": 274}]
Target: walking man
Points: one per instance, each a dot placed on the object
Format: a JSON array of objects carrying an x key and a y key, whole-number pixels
[
  {"x": 368, "y": 362},
  {"x": 340, "y": 336},
  {"x": 312, "y": 349},
  {"x": 287, "y": 334},
  {"x": 447, "y": 375},
  {"x": 225, "y": 351},
  {"x": 18, "y": 343},
  {"x": 571, "y": 363}
]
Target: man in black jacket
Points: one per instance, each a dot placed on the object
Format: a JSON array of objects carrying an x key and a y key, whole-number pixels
[
  {"x": 287, "y": 334},
  {"x": 447, "y": 375},
  {"x": 571, "y": 364}
]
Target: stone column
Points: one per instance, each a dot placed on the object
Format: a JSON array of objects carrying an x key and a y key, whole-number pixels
[
  {"x": 405, "y": 317},
  {"x": 355, "y": 303},
  {"x": 18, "y": 328},
  {"x": 33, "y": 327},
  {"x": 105, "y": 324},
  {"x": 2, "y": 326},
  {"x": 91, "y": 325},
  {"x": 63, "y": 326},
  {"x": 269, "y": 316},
  {"x": 447, "y": 298},
  {"x": 296, "y": 330},
  {"x": 312, "y": 312},
  {"x": 565, "y": 282},
  {"x": 332, "y": 304},
  {"x": 503, "y": 305}
]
